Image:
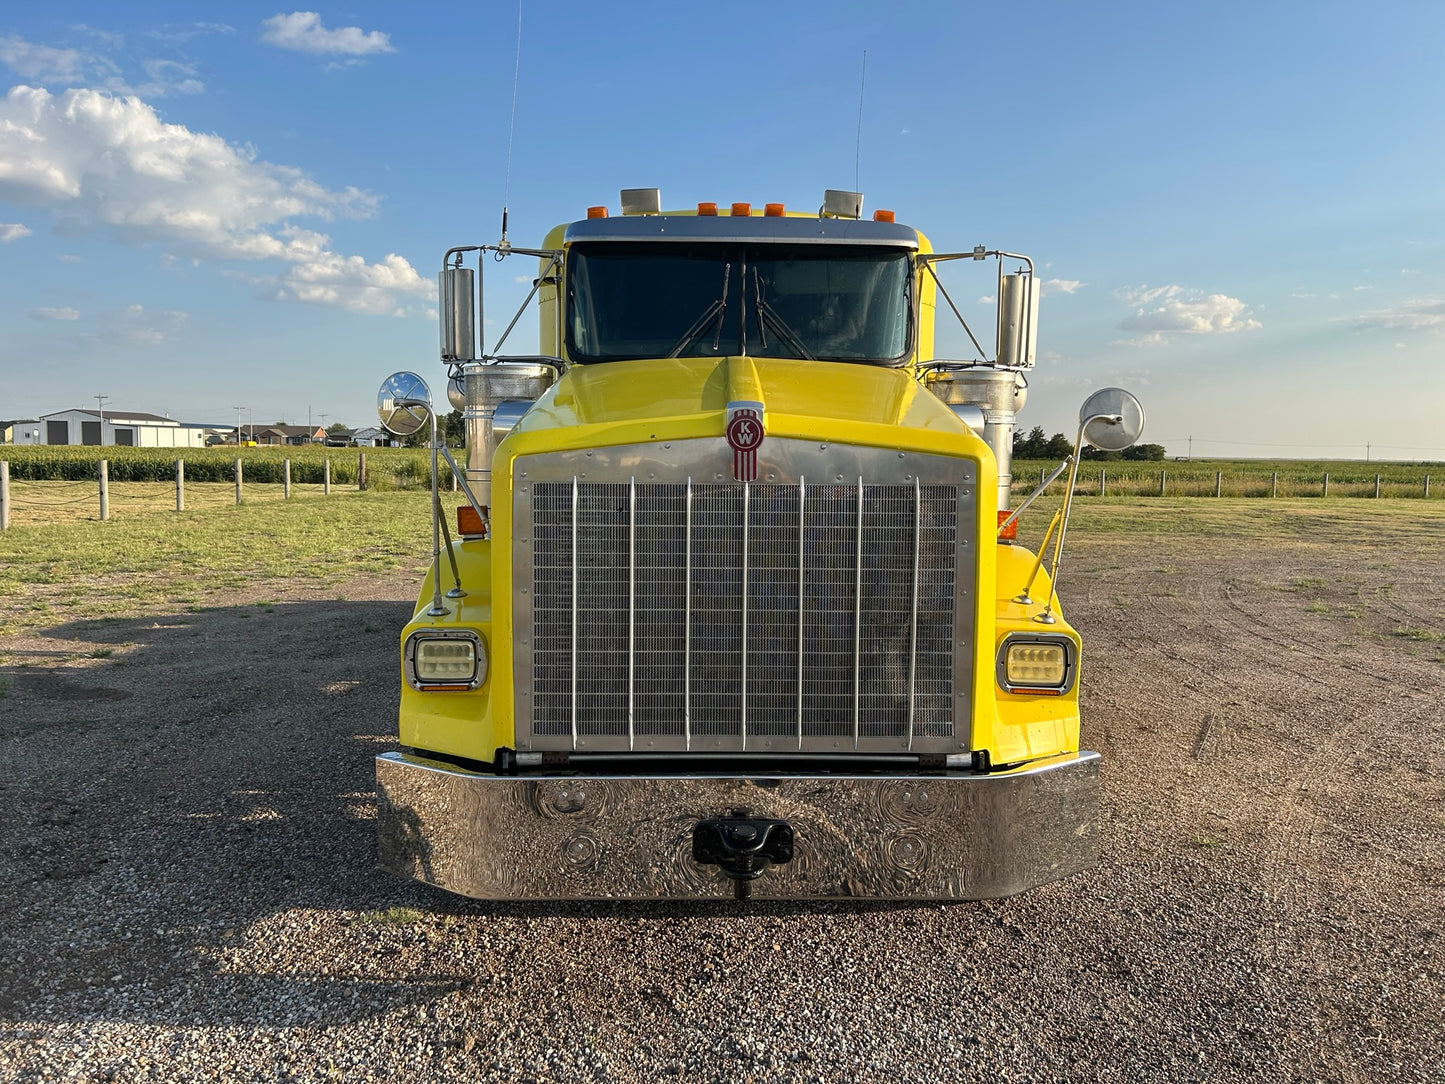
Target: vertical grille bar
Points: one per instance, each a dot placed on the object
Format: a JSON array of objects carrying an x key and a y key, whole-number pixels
[
  {"x": 802, "y": 609},
  {"x": 631, "y": 613},
  {"x": 913, "y": 609},
  {"x": 575, "y": 502},
  {"x": 858, "y": 620},
  {"x": 743, "y": 661},
  {"x": 687, "y": 627}
]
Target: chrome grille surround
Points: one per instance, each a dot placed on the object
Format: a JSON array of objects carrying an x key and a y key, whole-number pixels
[{"x": 647, "y": 619}]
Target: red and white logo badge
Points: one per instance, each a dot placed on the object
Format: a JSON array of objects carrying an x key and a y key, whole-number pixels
[{"x": 744, "y": 433}]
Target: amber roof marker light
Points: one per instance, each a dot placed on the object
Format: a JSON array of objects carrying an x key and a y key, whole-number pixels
[
  {"x": 707, "y": 209},
  {"x": 597, "y": 212},
  {"x": 742, "y": 210},
  {"x": 773, "y": 210}
]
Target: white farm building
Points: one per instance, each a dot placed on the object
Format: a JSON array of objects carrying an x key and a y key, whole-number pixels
[{"x": 126, "y": 428}]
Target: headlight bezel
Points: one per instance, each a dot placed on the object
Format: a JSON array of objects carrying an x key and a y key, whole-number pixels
[
  {"x": 1025, "y": 639},
  {"x": 421, "y": 636}
]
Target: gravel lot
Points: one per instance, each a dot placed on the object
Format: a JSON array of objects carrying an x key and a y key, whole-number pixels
[{"x": 187, "y": 888}]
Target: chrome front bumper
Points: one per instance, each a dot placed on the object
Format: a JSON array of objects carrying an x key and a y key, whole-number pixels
[{"x": 951, "y": 836}]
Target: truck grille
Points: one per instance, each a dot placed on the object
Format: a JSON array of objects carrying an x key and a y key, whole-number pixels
[{"x": 672, "y": 615}]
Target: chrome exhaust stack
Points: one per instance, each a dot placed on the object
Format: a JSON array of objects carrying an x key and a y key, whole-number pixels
[
  {"x": 494, "y": 395},
  {"x": 997, "y": 395}
]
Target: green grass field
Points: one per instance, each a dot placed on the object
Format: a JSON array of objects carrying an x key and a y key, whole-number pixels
[{"x": 177, "y": 561}]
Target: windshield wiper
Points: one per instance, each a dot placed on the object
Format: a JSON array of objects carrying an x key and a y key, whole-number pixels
[
  {"x": 713, "y": 314},
  {"x": 767, "y": 316}
]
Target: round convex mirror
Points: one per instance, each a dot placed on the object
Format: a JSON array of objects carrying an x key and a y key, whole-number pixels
[
  {"x": 1112, "y": 419},
  {"x": 403, "y": 404}
]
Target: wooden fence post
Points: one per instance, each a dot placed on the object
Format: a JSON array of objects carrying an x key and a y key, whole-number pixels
[
  {"x": 1274, "y": 484},
  {"x": 361, "y": 472},
  {"x": 326, "y": 477},
  {"x": 1163, "y": 478},
  {"x": 1102, "y": 473},
  {"x": 286, "y": 479},
  {"x": 1377, "y": 487},
  {"x": 1325, "y": 492},
  {"x": 5, "y": 494},
  {"x": 1427, "y": 487},
  {"x": 180, "y": 485},
  {"x": 1218, "y": 483},
  {"x": 104, "y": 489},
  {"x": 238, "y": 481}
]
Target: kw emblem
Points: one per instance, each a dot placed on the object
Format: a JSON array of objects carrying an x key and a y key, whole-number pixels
[{"x": 744, "y": 433}]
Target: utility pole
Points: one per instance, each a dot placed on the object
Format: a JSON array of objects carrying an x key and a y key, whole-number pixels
[
  {"x": 251, "y": 423},
  {"x": 100, "y": 404},
  {"x": 1367, "y": 452},
  {"x": 1191, "y": 447},
  {"x": 323, "y": 426},
  {"x": 238, "y": 424}
]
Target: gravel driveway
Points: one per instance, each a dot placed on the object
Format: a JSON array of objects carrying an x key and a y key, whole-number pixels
[{"x": 187, "y": 888}]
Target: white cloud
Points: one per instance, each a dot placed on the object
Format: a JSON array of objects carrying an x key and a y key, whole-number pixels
[
  {"x": 42, "y": 63},
  {"x": 180, "y": 33},
  {"x": 12, "y": 231},
  {"x": 1162, "y": 312},
  {"x": 1059, "y": 286},
  {"x": 169, "y": 77},
  {"x": 96, "y": 160},
  {"x": 70, "y": 257},
  {"x": 137, "y": 325},
  {"x": 1415, "y": 314},
  {"x": 66, "y": 313},
  {"x": 303, "y": 32}
]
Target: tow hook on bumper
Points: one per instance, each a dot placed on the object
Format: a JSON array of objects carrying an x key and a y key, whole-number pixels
[{"x": 743, "y": 847}]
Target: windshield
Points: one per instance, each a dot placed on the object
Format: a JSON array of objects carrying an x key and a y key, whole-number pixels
[{"x": 826, "y": 302}]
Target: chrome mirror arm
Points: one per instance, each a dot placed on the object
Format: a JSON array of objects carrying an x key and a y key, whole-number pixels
[
  {"x": 1047, "y": 616},
  {"x": 1036, "y": 494}
]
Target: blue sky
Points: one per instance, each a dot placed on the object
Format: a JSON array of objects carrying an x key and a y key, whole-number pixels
[{"x": 1237, "y": 209}]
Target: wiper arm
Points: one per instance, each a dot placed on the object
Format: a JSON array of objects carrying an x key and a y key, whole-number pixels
[
  {"x": 768, "y": 317},
  {"x": 713, "y": 314}
]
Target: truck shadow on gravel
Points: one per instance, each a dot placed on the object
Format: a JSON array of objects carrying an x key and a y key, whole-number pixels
[
  {"x": 174, "y": 788},
  {"x": 190, "y": 825}
]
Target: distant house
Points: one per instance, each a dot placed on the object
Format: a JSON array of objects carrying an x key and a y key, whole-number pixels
[
  {"x": 340, "y": 438},
  {"x": 374, "y": 437},
  {"x": 133, "y": 428},
  {"x": 22, "y": 431},
  {"x": 285, "y": 434}
]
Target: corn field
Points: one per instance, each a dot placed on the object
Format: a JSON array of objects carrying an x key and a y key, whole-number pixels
[
  {"x": 1242, "y": 478},
  {"x": 400, "y": 468}
]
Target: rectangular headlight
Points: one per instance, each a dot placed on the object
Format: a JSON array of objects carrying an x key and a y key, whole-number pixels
[
  {"x": 454, "y": 660},
  {"x": 1036, "y": 664}
]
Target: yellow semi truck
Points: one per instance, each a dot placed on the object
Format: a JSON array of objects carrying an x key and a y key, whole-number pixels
[{"x": 733, "y": 605}]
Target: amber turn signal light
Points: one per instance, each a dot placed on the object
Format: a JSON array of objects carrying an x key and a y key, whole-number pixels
[
  {"x": 742, "y": 210},
  {"x": 469, "y": 521},
  {"x": 597, "y": 212},
  {"x": 882, "y": 216},
  {"x": 707, "y": 208},
  {"x": 773, "y": 210},
  {"x": 1009, "y": 533}
]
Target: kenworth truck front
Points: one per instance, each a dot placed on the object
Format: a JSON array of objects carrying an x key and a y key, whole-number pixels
[{"x": 733, "y": 608}]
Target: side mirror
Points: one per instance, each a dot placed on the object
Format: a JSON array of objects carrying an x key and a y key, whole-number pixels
[
  {"x": 1111, "y": 419},
  {"x": 403, "y": 404}
]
